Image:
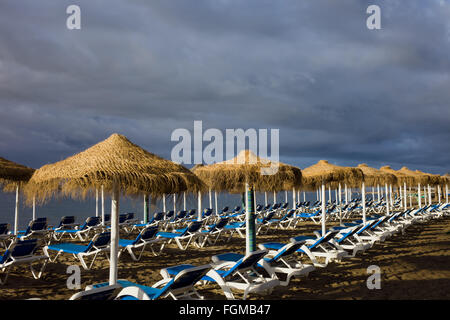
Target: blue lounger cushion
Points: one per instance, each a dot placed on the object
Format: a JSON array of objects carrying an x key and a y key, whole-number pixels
[{"x": 68, "y": 247}]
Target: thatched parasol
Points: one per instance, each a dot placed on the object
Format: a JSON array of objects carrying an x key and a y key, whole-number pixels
[
  {"x": 119, "y": 166},
  {"x": 415, "y": 177},
  {"x": 248, "y": 172},
  {"x": 231, "y": 175},
  {"x": 324, "y": 172},
  {"x": 375, "y": 177},
  {"x": 11, "y": 172},
  {"x": 13, "y": 176},
  {"x": 113, "y": 162}
]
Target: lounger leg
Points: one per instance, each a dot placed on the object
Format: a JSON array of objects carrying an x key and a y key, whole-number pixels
[
  {"x": 38, "y": 275},
  {"x": 219, "y": 280},
  {"x": 6, "y": 273}
]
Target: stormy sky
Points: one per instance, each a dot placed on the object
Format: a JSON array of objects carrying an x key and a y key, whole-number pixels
[{"x": 311, "y": 69}]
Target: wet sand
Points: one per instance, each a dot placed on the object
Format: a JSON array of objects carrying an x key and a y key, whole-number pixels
[{"x": 415, "y": 265}]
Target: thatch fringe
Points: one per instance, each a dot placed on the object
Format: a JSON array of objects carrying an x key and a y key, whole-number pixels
[
  {"x": 114, "y": 162},
  {"x": 231, "y": 175}
]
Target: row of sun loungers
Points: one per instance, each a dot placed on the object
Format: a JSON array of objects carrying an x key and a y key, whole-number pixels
[{"x": 257, "y": 273}]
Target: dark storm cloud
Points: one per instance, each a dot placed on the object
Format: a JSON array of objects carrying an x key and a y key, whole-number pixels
[{"x": 312, "y": 69}]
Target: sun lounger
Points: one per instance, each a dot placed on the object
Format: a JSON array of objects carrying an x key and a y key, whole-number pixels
[
  {"x": 188, "y": 234},
  {"x": 282, "y": 258},
  {"x": 98, "y": 244},
  {"x": 92, "y": 224},
  {"x": 36, "y": 228},
  {"x": 321, "y": 248},
  {"x": 146, "y": 237},
  {"x": 5, "y": 234},
  {"x": 212, "y": 231},
  {"x": 19, "y": 253},
  {"x": 236, "y": 271},
  {"x": 180, "y": 286}
]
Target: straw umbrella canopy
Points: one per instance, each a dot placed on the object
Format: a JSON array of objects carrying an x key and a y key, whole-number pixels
[
  {"x": 245, "y": 173},
  {"x": 324, "y": 173},
  {"x": 13, "y": 176},
  {"x": 120, "y": 167},
  {"x": 401, "y": 176},
  {"x": 374, "y": 177},
  {"x": 232, "y": 175}
]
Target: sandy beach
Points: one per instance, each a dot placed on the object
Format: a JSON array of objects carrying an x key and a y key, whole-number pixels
[{"x": 413, "y": 266}]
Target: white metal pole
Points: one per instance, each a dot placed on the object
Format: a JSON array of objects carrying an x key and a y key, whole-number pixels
[
  {"x": 174, "y": 203},
  {"x": 323, "y": 210},
  {"x": 425, "y": 197},
  {"x": 390, "y": 195},
  {"x": 164, "y": 202},
  {"x": 363, "y": 195},
  {"x": 210, "y": 199},
  {"x": 274, "y": 197},
  {"x": 114, "y": 245},
  {"x": 346, "y": 193},
  {"x": 387, "y": 199},
  {"x": 293, "y": 199},
  {"x": 340, "y": 204},
  {"x": 329, "y": 194},
  {"x": 96, "y": 202},
  {"x": 446, "y": 193},
  {"x": 103, "y": 206},
  {"x": 378, "y": 190},
  {"x": 285, "y": 196},
  {"x": 265, "y": 198},
  {"x": 304, "y": 196},
  {"x": 215, "y": 201},
  {"x": 184, "y": 201},
  {"x": 199, "y": 214},
  {"x": 439, "y": 193},
  {"x": 419, "y": 196},
  {"x": 429, "y": 195},
  {"x": 410, "y": 197},
  {"x": 404, "y": 196},
  {"x": 34, "y": 207},
  {"x": 16, "y": 215},
  {"x": 247, "y": 229}
]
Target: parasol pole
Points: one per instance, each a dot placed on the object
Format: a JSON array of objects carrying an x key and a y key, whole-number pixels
[
  {"x": 387, "y": 200},
  {"x": 16, "y": 215},
  {"x": 103, "y": 205},
  {"x": 34, "y": 207},
  {"x": 114, "y": 245},
  {"x": 419, "y": 196},
  {"x": 199, "y": 203},
  {"x": 294, "y": 206},
  {"x": 146, "y": 203},
  {"x": 363, "y": 195},
  {"x": 96, "y": 202},
  {"x": 323, "y": 209},
  {"x": 250, "y": 243}
]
